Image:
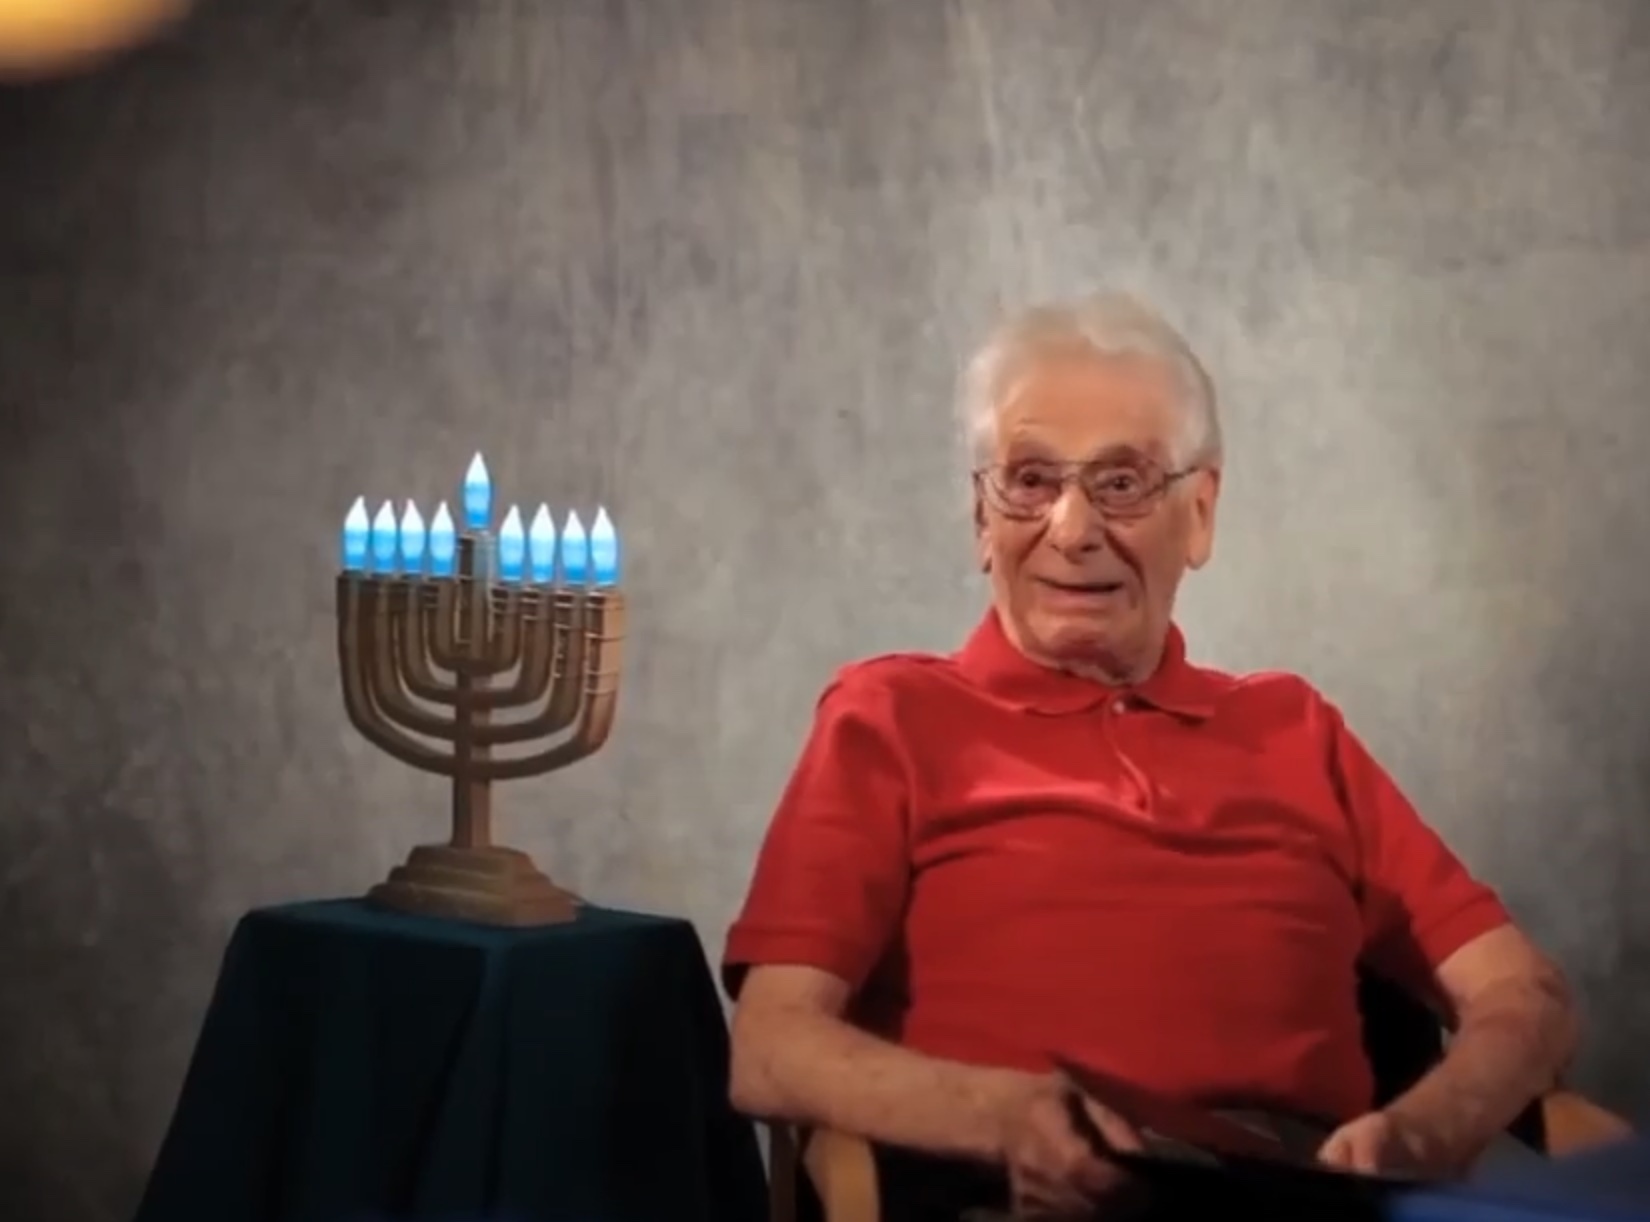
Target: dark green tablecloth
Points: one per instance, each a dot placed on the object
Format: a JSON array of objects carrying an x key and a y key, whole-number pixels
[{"x": 363, "y": 1066}]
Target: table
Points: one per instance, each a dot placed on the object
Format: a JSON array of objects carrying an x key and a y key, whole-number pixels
[{"x": 359, "y": 1065}]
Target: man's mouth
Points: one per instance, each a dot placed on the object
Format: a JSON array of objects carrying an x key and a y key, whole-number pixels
[{"x": 1084, "y": 587}]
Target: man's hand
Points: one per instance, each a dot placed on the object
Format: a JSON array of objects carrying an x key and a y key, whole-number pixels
[
  {"x": 1054, "y": 1170},
  {"x": 1380, "y": 1143}
]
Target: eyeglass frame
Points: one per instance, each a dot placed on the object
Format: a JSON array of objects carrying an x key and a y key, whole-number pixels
[{"x": 986, "y": 483}]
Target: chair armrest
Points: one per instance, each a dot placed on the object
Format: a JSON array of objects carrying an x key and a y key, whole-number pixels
[
  {"x": 841, "y": 1168},
  {"x": 1570, "y": 1123},
  {"x": 784, "y": 1169}
]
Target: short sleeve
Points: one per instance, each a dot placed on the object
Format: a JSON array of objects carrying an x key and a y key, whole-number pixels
[
  {"x": 833, "y": 871},
  {"x": 1420, "y": 904}
]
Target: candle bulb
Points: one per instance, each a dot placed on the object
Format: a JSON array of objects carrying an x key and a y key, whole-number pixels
[
  {"x": 512, "y": 547},
  {"x": 384, "y": 539},
  {"x": 478, "y": 495},
  {"x": 575, "y": 552},
  {"x": 541, "y": 547},
  {"x": 413, "y": 537},
  {"x": 604, "y": 550},
  {"x": 443, "y": 542},
  {"x": 357, "y": 530}
]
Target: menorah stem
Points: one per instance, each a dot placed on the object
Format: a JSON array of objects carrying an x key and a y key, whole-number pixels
[
  {"x": 472, "y": 815},
  {"x": 472, "y": 799}
]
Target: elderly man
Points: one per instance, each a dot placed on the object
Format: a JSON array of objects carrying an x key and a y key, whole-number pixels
[{"x": 1066, "y": 838}]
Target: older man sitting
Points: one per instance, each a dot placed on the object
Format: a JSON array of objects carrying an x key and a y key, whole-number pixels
[{"x": 1067, "y": 838}]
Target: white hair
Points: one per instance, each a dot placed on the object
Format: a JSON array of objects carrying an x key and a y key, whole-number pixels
[{"x": 1107, "y": 324}]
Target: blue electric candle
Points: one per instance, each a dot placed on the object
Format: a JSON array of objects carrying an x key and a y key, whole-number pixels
[
  {"x": 443, "y": 543},
  {"x": 385, "y": 540},
  {"x": 512, "y": 547},
  {"x": 541, "y": 548},
  {"x": 357, "y": 532},
  {"x": 413, "y": 537},
  {"x": 478, "y": 495},
  {"x": 575, "y": 552},
  {"x": 604, "y": 550}
]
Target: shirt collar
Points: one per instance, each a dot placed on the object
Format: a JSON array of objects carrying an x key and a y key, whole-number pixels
[{"x": 991, "y": 661}]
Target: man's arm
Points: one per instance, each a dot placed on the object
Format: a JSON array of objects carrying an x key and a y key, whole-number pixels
[
  {"x": 825, "y": 902},
  {"x": 796, "y": 1059},
  {"x": 1435, "y": 930},
  {"x": 1515, "y": 1030}
]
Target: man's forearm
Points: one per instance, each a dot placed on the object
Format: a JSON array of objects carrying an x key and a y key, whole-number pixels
[
  {"x": 1510, "y": 1047},
  {"x": 820, "y": 1071}
]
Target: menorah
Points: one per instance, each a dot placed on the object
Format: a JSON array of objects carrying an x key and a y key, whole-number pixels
[{"x": 453, "y": 646}]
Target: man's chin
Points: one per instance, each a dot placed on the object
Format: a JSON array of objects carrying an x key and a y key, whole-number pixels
[{"x": 1079, "y": 640}]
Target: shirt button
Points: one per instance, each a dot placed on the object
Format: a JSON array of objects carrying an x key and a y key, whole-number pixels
[{"x": 1121, "y": 705}]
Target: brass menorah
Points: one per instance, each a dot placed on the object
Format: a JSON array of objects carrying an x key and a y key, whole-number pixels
[{"x": 477, "y": 667}]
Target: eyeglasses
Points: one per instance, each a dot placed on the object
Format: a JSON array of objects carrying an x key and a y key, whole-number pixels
[{"x": 1118, "y": 489}]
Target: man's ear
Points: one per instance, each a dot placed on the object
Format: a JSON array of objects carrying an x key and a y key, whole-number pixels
[
  {"x": 1205, "y": 496},
  {"x": 982, "y": 537}
]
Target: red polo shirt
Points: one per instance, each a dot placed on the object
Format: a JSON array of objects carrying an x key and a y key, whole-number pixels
[{"x": 1174, "y": 883}]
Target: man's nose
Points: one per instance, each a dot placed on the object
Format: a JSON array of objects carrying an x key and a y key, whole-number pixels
[{"x": 1074, "y": 525}]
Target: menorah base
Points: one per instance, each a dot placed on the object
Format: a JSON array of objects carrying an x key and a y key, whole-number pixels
[{"x": 485, "y": 886}]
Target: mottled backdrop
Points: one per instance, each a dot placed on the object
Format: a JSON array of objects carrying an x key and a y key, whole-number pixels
[{"x": 712, "y": 264}]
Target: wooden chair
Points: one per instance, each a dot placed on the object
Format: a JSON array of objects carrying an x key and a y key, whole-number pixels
[{"x": 1403, "y": 1040}]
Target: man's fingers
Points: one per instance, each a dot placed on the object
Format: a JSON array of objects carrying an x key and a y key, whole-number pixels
[
  {"x": 1337, "y": 1151},
  {"x": 1098, "y": 1125},
  {"x": 1052, "y": 1202},
  {"x": 1058, "y": 1167},
  {"x": 1118, "y": 1133},
  {"x": 1089, "y": 1169},
  {"x": 1056, "y": 1190},
  {"x": 1353, "y": 1150},
  {"x": 1074, "y": 1173},
  {"x": 1096, "y": 1178},
  {"x": 1078, "y": 1163}
]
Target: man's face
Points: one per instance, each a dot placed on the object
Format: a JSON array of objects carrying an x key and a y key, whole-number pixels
[{"x": 1076, "y": 587}]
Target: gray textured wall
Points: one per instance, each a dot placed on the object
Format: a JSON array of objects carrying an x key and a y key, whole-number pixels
[{"x": 713, "y": 263}]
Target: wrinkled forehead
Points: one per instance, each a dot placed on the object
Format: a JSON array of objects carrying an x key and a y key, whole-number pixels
[{"x": 1077, "y": 406}]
